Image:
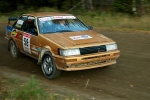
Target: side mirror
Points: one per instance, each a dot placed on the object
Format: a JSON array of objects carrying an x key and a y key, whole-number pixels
[{"x": 90, "y": 27}]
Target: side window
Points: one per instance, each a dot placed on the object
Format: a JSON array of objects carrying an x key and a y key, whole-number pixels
[
  {"x": 29, "y": 26},
  {"x": 19, "y": 23}
]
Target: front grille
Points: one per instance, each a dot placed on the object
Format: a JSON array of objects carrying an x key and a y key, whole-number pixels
[
  {"x": 86, "y": 58},
  {"x": 94, "y": 49},
  {"x": 92, "y": 63}
]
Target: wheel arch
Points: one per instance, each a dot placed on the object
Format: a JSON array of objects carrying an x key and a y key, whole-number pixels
[
  {"x": 9, "y": 42},
  {"x": 45, "y": 49}
]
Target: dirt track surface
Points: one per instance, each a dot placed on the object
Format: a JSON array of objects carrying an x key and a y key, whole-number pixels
[{"x": 126, "y": 80}]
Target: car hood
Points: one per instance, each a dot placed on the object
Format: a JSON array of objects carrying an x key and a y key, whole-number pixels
[{"x": 78, "y": 39}]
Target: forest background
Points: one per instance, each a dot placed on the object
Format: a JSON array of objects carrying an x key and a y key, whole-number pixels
[{"x": 131, "y": 14}]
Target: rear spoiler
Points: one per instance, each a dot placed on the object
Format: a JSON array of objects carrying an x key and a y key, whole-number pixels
[{"x": 12, "y": 19}]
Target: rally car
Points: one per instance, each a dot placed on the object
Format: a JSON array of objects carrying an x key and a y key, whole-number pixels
[{"x": 59, "y": 41}]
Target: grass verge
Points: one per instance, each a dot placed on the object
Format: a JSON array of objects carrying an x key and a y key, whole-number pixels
[
  {"x": 13, "y": 89},
  {"x": 116, "y": 21}
]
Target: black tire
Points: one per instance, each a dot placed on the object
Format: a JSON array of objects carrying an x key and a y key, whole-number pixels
[
  {"x": 49, "y": 67},
  {"x": 14, "y": 50}
]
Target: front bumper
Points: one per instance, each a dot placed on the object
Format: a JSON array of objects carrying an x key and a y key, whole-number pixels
[{"x": 88, "y": 61}]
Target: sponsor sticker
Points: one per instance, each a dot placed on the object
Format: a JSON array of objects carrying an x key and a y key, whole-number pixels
[
  {"x": 20, "y": 22},
  {"x": 63, "y": 17},
  {"x": 56, "y": 17},
  {"x": 26, "y": 42},
  {"x": 45, "y": 19},
  {"x": 80, "y": 37},
  {"x": 31, "y": 17},
  {"x": 15, "y": 33},
  {"x": 34, "y": 52},
  {"x": 9, "y": 29},
  {"x": 39, "y": 49},
  {"x": 34, "y": 48}
]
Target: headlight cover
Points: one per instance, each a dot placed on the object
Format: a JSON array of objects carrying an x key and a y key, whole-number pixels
[
  {"x": 110, "y": 47},
  {"x": 69, "y": 52}
]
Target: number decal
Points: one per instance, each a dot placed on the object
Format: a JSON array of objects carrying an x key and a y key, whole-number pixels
[{"x": 26, "y": 42}]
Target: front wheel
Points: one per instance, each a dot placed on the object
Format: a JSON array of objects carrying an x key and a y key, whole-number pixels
[{"x": 49, "y": 67}]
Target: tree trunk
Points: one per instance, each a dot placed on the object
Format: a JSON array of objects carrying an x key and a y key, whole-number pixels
[
  {"x": 134, "y": 9},
  {"x": 71, "y": 4},
  {"x": 91, "y": 5},
  {"x": 83, "y": 4},
  {"x": 142, "y": 7}
]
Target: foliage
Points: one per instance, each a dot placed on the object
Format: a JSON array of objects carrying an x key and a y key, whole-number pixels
[
  {"x": 115, "y": 20},
  {"x": 14, "y": 89},
  {"x": 98, "y": 18},
  {"x": 30, "y": 91},
  {"x": 123, "y": 6},
  {"x": 3, "y": 5}
]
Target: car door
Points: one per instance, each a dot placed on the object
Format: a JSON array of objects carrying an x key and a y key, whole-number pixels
[
  {"x": 30, "y": 37},
  {"x": 17, "y": 31}
]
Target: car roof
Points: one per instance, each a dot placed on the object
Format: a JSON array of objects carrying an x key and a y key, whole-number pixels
[{"x": 40, "y": 14}]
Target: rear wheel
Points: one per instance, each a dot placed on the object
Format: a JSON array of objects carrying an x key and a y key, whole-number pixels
[
  {"x": 49, "y": 67},
  {"x": 13, "y": 49}
]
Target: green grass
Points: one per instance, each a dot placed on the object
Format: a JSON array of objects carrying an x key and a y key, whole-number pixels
[
  {"x": 120, "y": 21},
  {"x": 3, "y": 18},
  {"x": 30, "y": 91},
  {"x": 97, "y": 19},
  {"x": 14, "y": 89}
]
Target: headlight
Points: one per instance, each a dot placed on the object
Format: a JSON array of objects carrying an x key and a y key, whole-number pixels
[
  {"x": 111, "y": 47},
  {"x": 69, "y": 52}
]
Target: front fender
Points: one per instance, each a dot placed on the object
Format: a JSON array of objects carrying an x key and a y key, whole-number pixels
[{"x": 45, "y": 49}]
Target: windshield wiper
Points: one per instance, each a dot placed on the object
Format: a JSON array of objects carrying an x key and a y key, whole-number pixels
[{"x": 65, "y": 31}]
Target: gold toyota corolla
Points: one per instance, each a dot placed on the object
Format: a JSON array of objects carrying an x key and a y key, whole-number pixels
[{"x": 59, "y": 41}]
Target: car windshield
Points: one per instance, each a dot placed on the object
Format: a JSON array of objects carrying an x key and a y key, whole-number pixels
[{"x": 55, "y": 24}]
